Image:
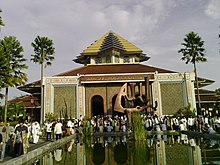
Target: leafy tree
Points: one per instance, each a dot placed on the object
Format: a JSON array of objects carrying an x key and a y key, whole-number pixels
[
  {"x": 185, "y": 111},
  {"x": 193, "y": 51},
  {"x": 15, "y": 110},
  {"x": 43, "y": 55},
  {"x": 50, "y": 117},
  {"x": 12, "y": 62},
  {"x": 217, "y": 91}
]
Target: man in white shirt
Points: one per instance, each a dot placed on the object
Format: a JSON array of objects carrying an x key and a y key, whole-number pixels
[
  {"x": 48, "y": 130},
  {"x": 191, "y": 122},
  {"x": 58, "y": 130}
]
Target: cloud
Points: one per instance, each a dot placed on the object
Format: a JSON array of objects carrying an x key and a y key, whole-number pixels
[
  {"x": 155, "y": 26},
  {"x": 213, "y": 9},
  {"x": 136, "y": 18}
]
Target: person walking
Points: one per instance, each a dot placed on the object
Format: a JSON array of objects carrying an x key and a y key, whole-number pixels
[
  {"x": 3, "y": 141},
  {"x": 35, "y": 132},
  {"x": 20, "y": 139}
]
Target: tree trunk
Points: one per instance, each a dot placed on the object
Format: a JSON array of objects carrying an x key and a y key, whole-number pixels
[
  {"x": 6, "y": 104},
  {"x": 197, "y": 87},
  {"x": 42, "y": 95}
]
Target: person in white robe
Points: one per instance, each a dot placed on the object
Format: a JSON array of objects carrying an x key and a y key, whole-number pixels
[{"x": 35, "y": 131}]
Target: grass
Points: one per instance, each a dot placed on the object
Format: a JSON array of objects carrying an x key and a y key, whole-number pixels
[{"x": 138, "y": 127}]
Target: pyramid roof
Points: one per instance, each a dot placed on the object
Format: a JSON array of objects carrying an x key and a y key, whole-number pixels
[{"x": 111, "y": 40}]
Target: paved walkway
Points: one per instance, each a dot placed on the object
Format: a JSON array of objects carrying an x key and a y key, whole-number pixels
[
  {"x": 32, "y": 147},
  {"x": 36, "y": 150}
]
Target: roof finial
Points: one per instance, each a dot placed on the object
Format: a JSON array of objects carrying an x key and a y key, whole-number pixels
[{"x": 110, "y": 31}]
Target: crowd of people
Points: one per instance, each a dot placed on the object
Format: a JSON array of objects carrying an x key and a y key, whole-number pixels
[
  {"x": 197, "y": 123},
  {"x": 15, "y": 140}
]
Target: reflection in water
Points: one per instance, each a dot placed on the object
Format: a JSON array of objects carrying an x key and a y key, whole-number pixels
[
  {"x": 121, "y": 153},
  {"x": 141, "y": 153},
  {"x": 157, "y": 149},
  {"x": 98, "y": 153}
]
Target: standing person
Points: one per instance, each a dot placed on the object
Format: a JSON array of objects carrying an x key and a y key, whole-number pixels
[
  {"x": 4, "y": 139},
  {"x": 191, "y": 122},
  {"x": 58, "y": 130},
  {"x": 53, "y": 126},
  {"x": 217, "y": 122},
  {"x": 124, "y": 128},
  {"x": 20, "y": 139},
  {"x": 35, "y": 131},
  {"x": 48, "y": 130},
  {"x": 109, "y": 128},
  {"x": 68, "y": 128}
]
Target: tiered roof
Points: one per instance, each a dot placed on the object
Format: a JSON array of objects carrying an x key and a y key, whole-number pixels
[{"x": 111, "y": 40}]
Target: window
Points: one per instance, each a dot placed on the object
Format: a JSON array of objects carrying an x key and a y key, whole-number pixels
[{"x": 126, "y": 59}]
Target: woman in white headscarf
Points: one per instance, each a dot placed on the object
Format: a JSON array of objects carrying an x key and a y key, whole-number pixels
[{"x": 35, "y": 131}]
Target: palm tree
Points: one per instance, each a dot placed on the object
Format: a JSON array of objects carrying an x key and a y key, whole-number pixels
[
  {"x": 44, "y": 50},
  {"x": 1, "y": 21},
  {"x": 11, "y": 66},
  {"x": 1, "y": 24},
  {"x": 1, "y": 74},
  {"x": 193, "y": 52},
  {"x": 219, "y": 38}
]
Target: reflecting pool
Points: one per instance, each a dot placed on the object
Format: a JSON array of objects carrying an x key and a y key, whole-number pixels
[{"x": 155, "y": 150}]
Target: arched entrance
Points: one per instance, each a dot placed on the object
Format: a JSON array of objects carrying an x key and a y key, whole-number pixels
[
  {"x": 97, "y": 105},
  {"x": 113, "y": 104}
]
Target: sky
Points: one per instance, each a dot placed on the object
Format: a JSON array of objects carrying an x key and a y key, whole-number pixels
[{"x": 158, "y": 27}]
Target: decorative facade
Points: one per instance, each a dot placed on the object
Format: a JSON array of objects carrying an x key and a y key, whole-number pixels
[{"x": 109, "y": 63}]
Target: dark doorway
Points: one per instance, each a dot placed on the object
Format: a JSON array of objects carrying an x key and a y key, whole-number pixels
[{"x": 97, "y": 105}]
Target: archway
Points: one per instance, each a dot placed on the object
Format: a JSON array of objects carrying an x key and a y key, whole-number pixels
[{"x": 97, "y": 105}]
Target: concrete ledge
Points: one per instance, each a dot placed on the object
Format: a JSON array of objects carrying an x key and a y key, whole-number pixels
[
  {"x": 200, "y": 134},
  {"x": 39, "y": 152}
]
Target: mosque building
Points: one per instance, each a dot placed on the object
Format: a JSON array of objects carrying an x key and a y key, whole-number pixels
[{"x": 110, "y": 64}]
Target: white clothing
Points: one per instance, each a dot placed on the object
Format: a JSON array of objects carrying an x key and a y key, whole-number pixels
[
  {"x": 69, "y": 124},
  {"x": 48, "y": 127},
  {"x": 191, "y": 121},
  {"x": 35, "y": 130},
  {"x": 206, "y": 120},
  {"x": 182, "y": 127},
  {"x": 71, "y": 145},
  {"x": 58, "y": 154},
  {"x": 58, "y": 128},
  {"x": 123, "y": 128}
]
